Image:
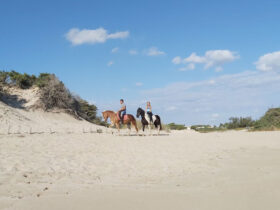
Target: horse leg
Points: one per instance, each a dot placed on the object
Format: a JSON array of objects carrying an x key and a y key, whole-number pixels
[
  {"x": 150, "y": 129},
  {"x": 118, "y": 127},
  {"x": 129, "y": 128},
  {"x": 135, "y": 126},
  {"x": 157, "y": 127},
  {"x": 143, "y": 128}
]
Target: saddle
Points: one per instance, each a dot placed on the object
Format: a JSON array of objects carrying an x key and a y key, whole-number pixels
[
  {"x": 125, "y": 117},
  {"x": 148, "y": 118}
]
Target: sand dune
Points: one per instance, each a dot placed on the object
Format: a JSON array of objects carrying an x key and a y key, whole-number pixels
[
  {"x": 21, "y": 121},
  {"x": 17, "y": 116}
]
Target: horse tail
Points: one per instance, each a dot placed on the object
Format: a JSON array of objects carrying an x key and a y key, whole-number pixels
[
  {"x": 160, "y": 126},
  {"x": 133, "y": 121}
]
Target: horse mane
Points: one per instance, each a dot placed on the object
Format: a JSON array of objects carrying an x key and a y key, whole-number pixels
[
  {"x": 109, "y": 111},
  {"x": 141, "y": 110}
]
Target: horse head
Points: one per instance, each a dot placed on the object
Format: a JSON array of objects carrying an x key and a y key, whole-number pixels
[
  {"x": 105, "y": 116},
  {"x": 140, "y": 112}
]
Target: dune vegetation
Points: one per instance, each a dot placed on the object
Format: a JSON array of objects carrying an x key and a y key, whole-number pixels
[
  {"x": 269, "y": 121},
  {"x": 53, "y": 94},
  {"x": 174, "y": 126}
]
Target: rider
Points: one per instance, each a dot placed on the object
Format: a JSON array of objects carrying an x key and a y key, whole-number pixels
[
  {"x": 149, "y": 110},
  {"x": 122, "y": 111}
]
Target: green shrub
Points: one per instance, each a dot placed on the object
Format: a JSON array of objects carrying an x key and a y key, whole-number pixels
[
  {"x": 238, "y": 122},
  {"x": 270, "y": 121},
  {"x": 1, "y": 90},
  {"x": 23, "y": 81},
  {"x": 26, "y": 81},
  {"x": 43, "y": 79},
  {"x": 56, "y": 95},
  {"x": 173, "y": 126},
  {"x": 3, "y": 77},
  {"x": 86, "y": 110}
]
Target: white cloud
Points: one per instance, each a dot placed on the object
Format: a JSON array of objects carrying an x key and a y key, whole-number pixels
[
  {"x": 177, "y": 60},
  {"x": 92, "y": 36},
  {"x": 217, "y": 58},
  {"x": 133, "y": 52},
  {"x": 193, "y": 58},
  {"x": 118, "y": 35},
  {"x": 228, "y": 95},
  {"x": 211, "y": 58},
  {"x": 269, "y": 62},
  {"x": 153, "y": 51},
  {"x": 139, "y": 84},
  {"x": 190, "y": 66},
  {"x": 114, "y": 50},
  {"x": 110, "y": 63}
]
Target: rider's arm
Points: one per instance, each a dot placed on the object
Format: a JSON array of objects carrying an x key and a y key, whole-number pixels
[
  {"x": 150, "y": 108},
  {"x": 123, "y": 108}
]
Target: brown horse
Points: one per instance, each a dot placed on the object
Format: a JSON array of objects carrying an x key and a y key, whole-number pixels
[{"x": 115, "y": 120}]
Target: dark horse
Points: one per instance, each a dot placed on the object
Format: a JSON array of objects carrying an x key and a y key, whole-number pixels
[{"x": 147, "y": 121}]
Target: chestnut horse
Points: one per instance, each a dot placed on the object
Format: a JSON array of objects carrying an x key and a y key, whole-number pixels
[{"x": 115, "y": 120}]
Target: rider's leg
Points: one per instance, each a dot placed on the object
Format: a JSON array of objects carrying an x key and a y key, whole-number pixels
[
  {"x": 123, "y": 113},
  {"x": 120, "y": 116},
  {"x": 150, "y": 115}
]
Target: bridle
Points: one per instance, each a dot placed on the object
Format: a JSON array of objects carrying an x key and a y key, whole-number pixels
[{"x": 140, "y": 112}]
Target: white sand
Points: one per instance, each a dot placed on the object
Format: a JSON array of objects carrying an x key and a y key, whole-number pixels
[
  {"x": 185, "y": 170},
  {"x": 53, "y": 161}
]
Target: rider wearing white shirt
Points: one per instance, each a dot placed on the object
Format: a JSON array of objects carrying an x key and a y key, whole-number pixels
[
  {"x": 122, "y": 111},
  {"x": 149, "y": 110}
]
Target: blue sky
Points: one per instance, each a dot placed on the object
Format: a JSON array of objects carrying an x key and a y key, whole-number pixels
[{"x": 196, "y": 61}]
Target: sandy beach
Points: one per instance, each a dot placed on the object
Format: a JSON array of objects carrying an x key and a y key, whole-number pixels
[
  {"x": 139, "y": 105},
  {"x": 182, "y": 170}
]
